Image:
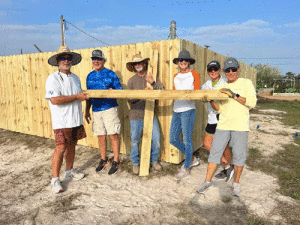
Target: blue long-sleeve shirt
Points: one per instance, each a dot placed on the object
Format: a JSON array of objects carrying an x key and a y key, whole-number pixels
[{"x": 103, "y": 80}]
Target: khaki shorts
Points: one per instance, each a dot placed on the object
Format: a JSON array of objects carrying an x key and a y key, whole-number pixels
[
  {"x": 69, "y": 136},
  {"x": 106, "y": 122}
]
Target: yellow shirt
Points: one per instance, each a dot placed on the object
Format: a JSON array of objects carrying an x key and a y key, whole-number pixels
[{"x": 234, "y": 115}]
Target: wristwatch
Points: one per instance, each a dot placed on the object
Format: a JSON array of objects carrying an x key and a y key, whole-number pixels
[{"x": 236, "y": 96}]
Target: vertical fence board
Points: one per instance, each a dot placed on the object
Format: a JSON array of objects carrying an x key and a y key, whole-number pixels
[
  {"x": 174, "y": 155},
  {"x": 3, "y": 103},
  {"x": 124, "y": 106}
]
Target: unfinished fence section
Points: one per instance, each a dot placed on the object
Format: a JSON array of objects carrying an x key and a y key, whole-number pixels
[{"x": 23, "y": 107}]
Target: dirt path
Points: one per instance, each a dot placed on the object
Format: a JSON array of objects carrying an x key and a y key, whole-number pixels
[{"x": 26, "y": 197}]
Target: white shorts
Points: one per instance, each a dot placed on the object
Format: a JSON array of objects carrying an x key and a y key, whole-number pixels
[{"x": 106, "y": 122}]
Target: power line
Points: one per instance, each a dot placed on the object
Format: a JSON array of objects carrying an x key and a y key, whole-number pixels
[{"x": 86, "y": 33}]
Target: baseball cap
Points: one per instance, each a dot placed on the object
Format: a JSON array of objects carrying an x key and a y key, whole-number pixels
[
  {"x": 214, "y": 63},
  {"x": 231, "y": 63},
  {"x": 98, "y": 53}
]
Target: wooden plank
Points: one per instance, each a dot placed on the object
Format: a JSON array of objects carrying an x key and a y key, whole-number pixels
[
  {"x": 148, "y": 119},
  {"x": 158, "y": 94},
  {"x": 11, "y": 106},
  {"x": 24, "y": 73},
  {"x": 125, "y": 145},
  {"x": 3, "y": 101},
  {"x": 44, "y": 104},
  {"x": 164, "y": 104}
]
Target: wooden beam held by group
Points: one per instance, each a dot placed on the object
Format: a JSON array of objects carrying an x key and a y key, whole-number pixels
[{"x": 158, "y": 94}]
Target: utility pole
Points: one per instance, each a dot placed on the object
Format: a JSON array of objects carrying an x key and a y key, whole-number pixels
[
  {"x": 173, "y": 29},
  {"x": 37, "y": 48},
  {"x": 62, "y": 30}
]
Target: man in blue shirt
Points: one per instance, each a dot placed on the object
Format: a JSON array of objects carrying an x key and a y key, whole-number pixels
[{"x": 105, "y": 110}]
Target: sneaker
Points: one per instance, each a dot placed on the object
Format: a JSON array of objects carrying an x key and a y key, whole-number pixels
[
  {"x": 221, "y": 175},
  {"x": 156, "y": 166},
  {"x": 229, "y": 173},
  {"x": 56, "y": 186},
  {"x": 114, "y": 167},
  {"x": 195, "y": 162},
  {"x": 73, "y": 174},
  {"x": 181, "y": 174},
  {"x": 204, "y": 187},
  {"x": 236, "y": 189},
  {"x": 136, "y": 169},
  {"x": 102, "y": 165}
]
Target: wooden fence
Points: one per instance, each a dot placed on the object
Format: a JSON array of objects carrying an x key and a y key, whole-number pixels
[{"x": 23, "y": 107}]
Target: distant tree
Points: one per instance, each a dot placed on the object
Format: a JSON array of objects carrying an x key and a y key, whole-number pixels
[
  {"x": 266, "y": 75},
  {"x": 289, "y": 75}
]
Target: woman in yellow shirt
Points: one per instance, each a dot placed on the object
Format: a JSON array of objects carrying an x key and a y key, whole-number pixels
[{"x": 233, "y": 124}]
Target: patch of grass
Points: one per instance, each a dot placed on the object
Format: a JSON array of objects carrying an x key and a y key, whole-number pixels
[
  {"x": 285, "y": 165},
  {"x": 226, "y": 199},
  {"x": 291, "y": 212},
  {"x": 254, "y": 220},
  {"x": 291, "y": 118}
]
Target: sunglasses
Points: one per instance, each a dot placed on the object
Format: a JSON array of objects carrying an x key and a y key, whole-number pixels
[
  {"x": 212, "y": 69},
  {"x": 69, "y": 58},
  {"x": 97, "y": 58},
  {"x": 137, "y": 63},
  {"x": 232, "y": 69},
  {"x": 181, "y": 60}
]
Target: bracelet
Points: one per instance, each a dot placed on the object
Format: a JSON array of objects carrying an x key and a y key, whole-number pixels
[{"x": 153, "y": 83}]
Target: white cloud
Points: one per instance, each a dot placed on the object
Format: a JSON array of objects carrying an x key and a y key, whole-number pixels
[
  {"x": 230, "y": 32},
  {"x": 295, "y": 24},
  {"x": 253, "y": 38}
]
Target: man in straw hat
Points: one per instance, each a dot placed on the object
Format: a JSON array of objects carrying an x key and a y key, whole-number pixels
[
  {"x": 63, "y": 90},
  {"x": 105, "y": 110},
  {"x": 139, "y": 81}
]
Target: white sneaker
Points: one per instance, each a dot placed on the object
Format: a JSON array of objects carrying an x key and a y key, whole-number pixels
[
  {"x": 56, "y": 187},
  {"x": 73, "y": 174},
  {"x": 195, "y": 162},
  {"x": 236, "y": 189}
]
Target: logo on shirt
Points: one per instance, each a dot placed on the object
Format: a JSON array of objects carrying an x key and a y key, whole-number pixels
[{"x": 51, "y": 92}]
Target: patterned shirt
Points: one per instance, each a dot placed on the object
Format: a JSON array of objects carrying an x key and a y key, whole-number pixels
[{"x": 104, "y": 79}]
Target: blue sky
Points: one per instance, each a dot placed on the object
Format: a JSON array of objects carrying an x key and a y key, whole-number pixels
[{"x": 252, "y": 31}]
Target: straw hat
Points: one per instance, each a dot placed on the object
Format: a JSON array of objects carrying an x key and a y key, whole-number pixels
[
  {"x": 136, "y": 59},
  {"x": 76, "y": 58}
]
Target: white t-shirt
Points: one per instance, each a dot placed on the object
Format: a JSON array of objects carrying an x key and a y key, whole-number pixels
[
  {"x": 212, "y": 114},
  {"x": 185, "y": 81},
  {"x": 66, "y": 115}
]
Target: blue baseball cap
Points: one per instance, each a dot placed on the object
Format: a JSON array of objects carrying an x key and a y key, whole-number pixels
[{"x": 231, "y": 63}]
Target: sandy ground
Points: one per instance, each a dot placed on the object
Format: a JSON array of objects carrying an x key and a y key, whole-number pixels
[{"x": 26, "y": 196}]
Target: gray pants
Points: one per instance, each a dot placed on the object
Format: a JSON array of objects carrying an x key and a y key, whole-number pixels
[{"x": 238, "y": 141}]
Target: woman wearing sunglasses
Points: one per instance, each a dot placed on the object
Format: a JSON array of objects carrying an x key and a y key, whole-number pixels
[
  {"x": 213, "y": 70},
  {"x": 184, "y": 114},
  {"x": 233, "y": 124}
]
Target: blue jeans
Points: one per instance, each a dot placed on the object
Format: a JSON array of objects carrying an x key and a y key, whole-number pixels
[
  {"x": 183, "y": 121},
  {"x": 136, "y": 129}
]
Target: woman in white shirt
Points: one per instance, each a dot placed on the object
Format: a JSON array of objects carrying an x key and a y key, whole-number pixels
[
  {"x": 213, "y": 70},
  {"x": 184, "y": 114}
]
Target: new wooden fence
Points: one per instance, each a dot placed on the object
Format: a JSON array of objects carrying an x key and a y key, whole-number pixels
[{"x": 23, "y": 107}]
